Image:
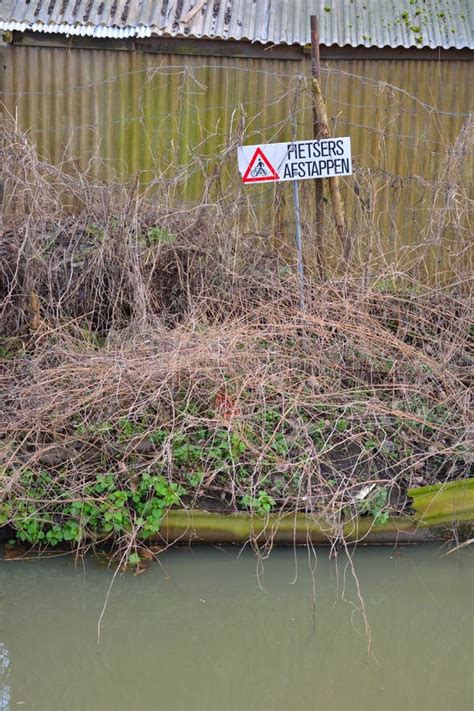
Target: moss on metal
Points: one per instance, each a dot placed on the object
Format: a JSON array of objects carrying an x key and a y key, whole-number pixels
[
  {"x": 437, "y": 510},
  {"x": 443, "y": 504}
]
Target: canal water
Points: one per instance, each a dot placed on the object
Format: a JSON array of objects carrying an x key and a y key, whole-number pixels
[{"x": 206, "y": 629}]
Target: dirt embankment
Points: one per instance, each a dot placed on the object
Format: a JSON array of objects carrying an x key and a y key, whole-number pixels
[{"x": 153, "y": 359}]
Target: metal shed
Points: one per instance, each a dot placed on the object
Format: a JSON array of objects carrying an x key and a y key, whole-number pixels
[{"x": 145, "y": 87}]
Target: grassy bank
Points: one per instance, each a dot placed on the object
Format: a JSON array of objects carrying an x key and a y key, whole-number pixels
[{"x": 154, "y": 358}]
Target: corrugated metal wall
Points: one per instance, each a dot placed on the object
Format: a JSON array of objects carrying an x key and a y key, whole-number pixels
[{"x": 120, "y": 113}]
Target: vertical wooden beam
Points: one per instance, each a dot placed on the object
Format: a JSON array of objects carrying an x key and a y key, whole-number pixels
[
  {"x": 321, "y": 130},
  {"x": 318, "y": 183}
]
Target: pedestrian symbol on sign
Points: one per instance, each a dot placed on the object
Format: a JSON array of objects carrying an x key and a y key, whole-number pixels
[{"x": 259, "y": 169}]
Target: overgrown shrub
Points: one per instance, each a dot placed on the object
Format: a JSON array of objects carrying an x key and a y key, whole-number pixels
[{"x": 153, "y": 358}]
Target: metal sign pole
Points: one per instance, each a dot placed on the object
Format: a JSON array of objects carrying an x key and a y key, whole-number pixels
[{"x": 299, "y": 245}]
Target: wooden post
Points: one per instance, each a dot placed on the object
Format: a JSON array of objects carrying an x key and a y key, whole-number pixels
[
  {"x": 321, "y": 130},
  {"x": 318, "y": 183}
]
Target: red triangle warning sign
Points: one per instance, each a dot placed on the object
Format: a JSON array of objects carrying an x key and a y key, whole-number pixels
[{"x": 259, "y": 169}]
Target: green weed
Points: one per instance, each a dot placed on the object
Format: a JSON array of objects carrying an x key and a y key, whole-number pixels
[
  {"x": 375, "y": 505},
  {"x": 160, "y": 235},
  {"x": 105, "y": 509},
  {"x": 261, "y": 505}
]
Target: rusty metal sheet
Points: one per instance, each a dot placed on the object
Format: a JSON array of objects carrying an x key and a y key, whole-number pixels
[{"x": 132, "y": 115}]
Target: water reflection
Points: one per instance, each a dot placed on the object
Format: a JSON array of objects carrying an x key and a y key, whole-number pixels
[{"x": 4, "y": 674}]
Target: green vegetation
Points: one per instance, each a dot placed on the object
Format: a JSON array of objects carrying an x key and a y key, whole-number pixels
[
  {"x": 160, "y": 235},
  {"x": 375, "y": 505},
  {"x": 46, "y": 515},
  {"x": 261, "y": 504},
  {"x": 119, "y": 476}
]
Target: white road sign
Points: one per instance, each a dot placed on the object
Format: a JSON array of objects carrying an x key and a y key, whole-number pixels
[{"x": 300, "y": 160}]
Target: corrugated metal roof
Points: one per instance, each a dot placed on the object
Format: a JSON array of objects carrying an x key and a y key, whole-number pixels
[{"x": 370, "y": 23}]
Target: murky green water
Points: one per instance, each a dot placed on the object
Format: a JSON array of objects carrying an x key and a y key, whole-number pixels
[{"x": 198, "y": 633}]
